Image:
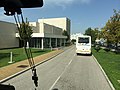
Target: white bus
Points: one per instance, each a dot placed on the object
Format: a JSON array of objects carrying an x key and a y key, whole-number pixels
[{"x": 83, "y": 45}]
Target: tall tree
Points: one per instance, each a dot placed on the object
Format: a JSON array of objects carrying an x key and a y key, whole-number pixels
[
  {"x": 97, "y": 33},
  {"x": 94, "y": 33},
  {"x": 88, "y": 31},
  {"x": 65, "y": 33},
  {"x": 25, "y": 31},
  {"x": 111, "y": 31}
]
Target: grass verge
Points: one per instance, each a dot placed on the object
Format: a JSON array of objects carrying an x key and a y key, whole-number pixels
[
  {"x": 18, "y": 55},
  {"x": 110, "y": 62}
]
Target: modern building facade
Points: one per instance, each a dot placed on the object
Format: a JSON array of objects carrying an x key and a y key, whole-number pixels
[
  {"x": 48, "y": 32},
  {"x": 64, "y": 23},
  {"x": 45, "y": 34}
]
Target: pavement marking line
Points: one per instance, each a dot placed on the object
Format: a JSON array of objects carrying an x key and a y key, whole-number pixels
[
  {"x": 62, "y": 73},
  {"x": 105, "y": 75}
]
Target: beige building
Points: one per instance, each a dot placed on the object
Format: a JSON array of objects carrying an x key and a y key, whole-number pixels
[
  {"x": 46, "y": 33},
  {"x": 46, "y": 36},
  {"x": 63, "y": 23},
  {"x": 7, "y": 35}
]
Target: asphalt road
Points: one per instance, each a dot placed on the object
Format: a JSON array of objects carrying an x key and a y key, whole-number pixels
[{"x": 67, "y": 71}]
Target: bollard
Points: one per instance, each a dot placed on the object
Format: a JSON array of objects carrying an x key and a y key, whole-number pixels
[
  {"x": 11, "y": 58},
  {"x": 27, "y": 45}
]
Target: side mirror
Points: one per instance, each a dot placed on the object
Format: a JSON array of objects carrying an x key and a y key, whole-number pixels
[
  {"x": 6, "y": 87},
  {"x": 12, "y": 6},
  {"x": 21, "y": 3}
]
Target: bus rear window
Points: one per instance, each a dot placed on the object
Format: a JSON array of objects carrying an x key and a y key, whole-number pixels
[{"x": 83, "y": 40}]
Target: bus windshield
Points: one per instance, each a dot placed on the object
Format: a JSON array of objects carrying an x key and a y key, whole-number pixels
[{"x": 83, "y": 40}]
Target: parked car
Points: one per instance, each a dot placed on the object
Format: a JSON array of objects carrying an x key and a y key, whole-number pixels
[{"x": 117, "y": 50}]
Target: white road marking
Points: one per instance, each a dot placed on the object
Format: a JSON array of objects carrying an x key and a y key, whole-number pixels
[{"x": 62, "y": 73}]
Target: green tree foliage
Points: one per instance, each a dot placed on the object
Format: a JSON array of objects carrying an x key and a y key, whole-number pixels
[
  {"x": 73, "y": 41},
  {"x": 111, "y": 31},
  {"x": 65, "y": 33},
  {"x": 97, "y": 33},
  {"x": 25, "y": 31},
  {"x": 88, "y": 31},
  {"x": 94, "y": 33}
]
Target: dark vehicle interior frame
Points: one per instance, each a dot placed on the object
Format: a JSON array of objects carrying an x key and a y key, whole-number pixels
[{"x": 12, "y": 7}]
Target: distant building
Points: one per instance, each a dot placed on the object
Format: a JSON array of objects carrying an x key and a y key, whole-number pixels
[{"x": 74, "y": 36}]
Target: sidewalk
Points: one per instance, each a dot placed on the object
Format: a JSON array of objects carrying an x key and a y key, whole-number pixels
[{"x": 12, "y": 69}]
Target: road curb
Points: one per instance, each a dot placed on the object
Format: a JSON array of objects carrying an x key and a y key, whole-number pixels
[
  {"x": 106, "y": 77},
  {"x": 16, "y": 74}
]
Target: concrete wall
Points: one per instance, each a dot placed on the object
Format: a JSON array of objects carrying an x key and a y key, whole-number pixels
[
  {"x": 8, "y": 35},
  {"x": 35, "y": 26},
  {"x": 46, "y": 30},
  {"x": 63, "y": 23},
  {"x": 49, "y": 29}
]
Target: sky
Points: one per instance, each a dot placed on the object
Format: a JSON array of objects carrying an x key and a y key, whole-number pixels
[{"x": 82, "y": 13}]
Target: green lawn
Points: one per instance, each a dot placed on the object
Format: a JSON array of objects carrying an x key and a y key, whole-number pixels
[
  {"x": 111, "y": 65},
  {"x": 18, "y": 55}
]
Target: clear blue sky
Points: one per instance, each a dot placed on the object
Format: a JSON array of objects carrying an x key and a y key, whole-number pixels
[{"x": 82, "y": 13}]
